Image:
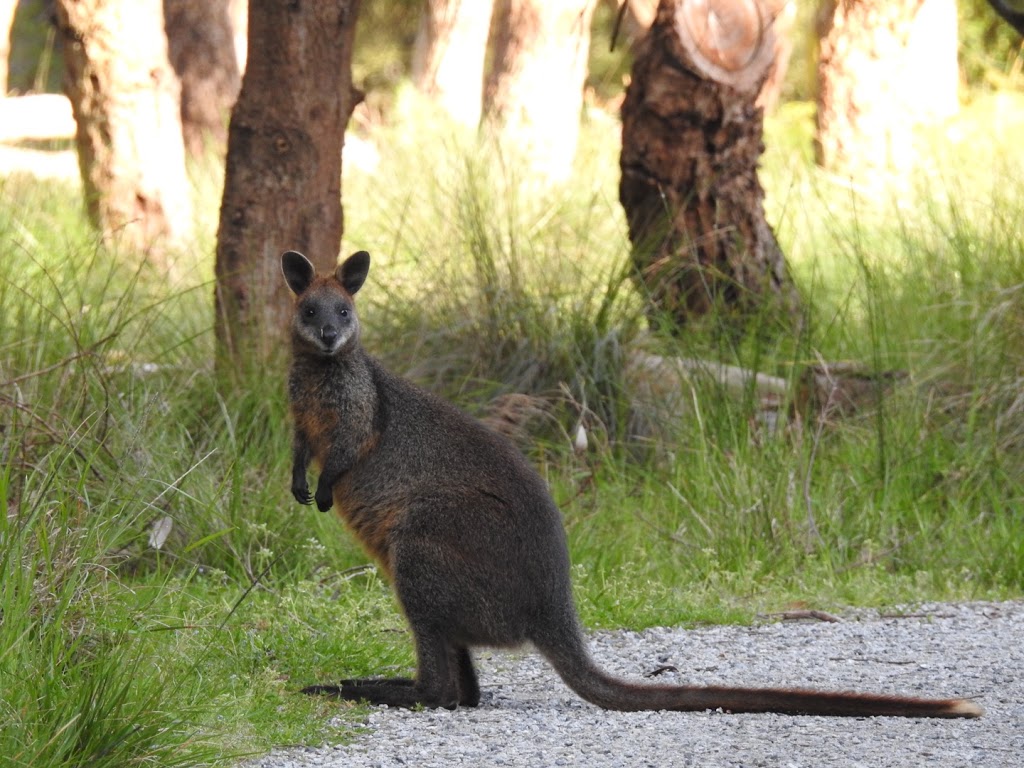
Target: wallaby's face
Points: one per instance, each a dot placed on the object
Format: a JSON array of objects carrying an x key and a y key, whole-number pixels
[{"x": 325, "y": 315}]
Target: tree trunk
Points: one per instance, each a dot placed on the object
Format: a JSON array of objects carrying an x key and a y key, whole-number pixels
[
  {"x": 7, "y": 10},
  {"x": 782, "y": 15},
  {"x": 534, "y": 93},
  {"x": 202, "y": 51},
  {"x": 282, "y": 187},
  {"x": 448, "y": 56},
  {"x": 238, "y": 11},
  {"x": 639, "y": 15},
  {"x": 691, "y": 140},
  {"x": 125, "y": 99},
  {"x": 885, "y": 66}
]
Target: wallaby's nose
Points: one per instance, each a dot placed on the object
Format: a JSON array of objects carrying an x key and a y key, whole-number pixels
[{"x": 329, "y": 333}]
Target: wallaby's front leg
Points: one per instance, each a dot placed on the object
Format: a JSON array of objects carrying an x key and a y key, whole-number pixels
[
  {"x": 339, "y": 461},
  {"x": 300, "y": 463}
]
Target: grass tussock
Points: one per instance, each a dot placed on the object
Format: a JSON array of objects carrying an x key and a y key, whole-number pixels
[{"x": 161, "y": 596}]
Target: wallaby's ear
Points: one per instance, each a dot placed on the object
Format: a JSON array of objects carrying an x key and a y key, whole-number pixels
[
  {"x": 353, "y": 270},
  {"x": 298, "y": 271}
]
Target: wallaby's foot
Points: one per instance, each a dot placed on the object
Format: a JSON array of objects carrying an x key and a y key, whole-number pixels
[
  {"x": 335, "y": 690},
  {"x": 456, "y": 686},
  {"x": 395, "y": 692}
]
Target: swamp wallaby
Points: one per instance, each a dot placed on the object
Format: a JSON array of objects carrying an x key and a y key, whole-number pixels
[{"x": 465, "y": 528}]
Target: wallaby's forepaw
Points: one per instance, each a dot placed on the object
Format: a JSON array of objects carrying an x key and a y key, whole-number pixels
[
  {"x": 302, "y": 494},
  {"x": 324, "y": 498}
]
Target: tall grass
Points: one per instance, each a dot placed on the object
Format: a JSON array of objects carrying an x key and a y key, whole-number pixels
[
  {"x": 76, "y": 487},
  {"x": 162, "y": 595},
  {"x": 81, "y": 685}
]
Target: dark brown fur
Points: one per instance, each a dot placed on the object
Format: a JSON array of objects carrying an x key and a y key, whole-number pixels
[{"x": 465, "y": 528}]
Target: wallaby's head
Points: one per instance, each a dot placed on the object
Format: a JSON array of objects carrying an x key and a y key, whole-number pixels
[{"x": 325, "y": 315}]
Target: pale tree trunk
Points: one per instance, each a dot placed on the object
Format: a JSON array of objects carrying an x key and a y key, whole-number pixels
[
  {"x": 238, "y": 10},
  {"x": 125, "y": 99},
  {"x": 282, "y": 187},
  {"x": 7, "y": 10},
  {"x": 886, "y": 66},
  {"x": 691, "y": 140},
  {"x": 448, "y": 56},
  {"x": 638, "y": 17},
  {"x": 201, "y": 45},
  {"x": 534, "y": 92},
  {"x": 782, "y": 15}
]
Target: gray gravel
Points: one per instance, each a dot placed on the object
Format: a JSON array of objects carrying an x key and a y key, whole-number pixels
[{"x": 529, "y": 718}]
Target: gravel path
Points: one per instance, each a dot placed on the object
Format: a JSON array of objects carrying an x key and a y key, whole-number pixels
[{"x": 529, "y": 718}]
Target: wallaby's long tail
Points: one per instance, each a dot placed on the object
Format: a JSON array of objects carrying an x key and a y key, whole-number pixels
[{"x": 596, "y": 686}]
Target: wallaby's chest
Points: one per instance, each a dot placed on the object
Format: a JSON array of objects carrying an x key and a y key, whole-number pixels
[
  {"x": 318, "y": 422},
  {"x": 331, "y": 412}
]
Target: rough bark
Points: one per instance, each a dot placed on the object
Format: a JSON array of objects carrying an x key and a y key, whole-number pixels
[
  {"x": 691, "y": 140},
  {"x": 885, "y": 66},
  {"x": 282, "y": 187},
  {"x": 7, "y": 9},
  {"x": 125, "y": 99},
  {"x": 534, "y": 92},
  {"x": 448, "y": 56},
  {"x": 201, "y": 46}
]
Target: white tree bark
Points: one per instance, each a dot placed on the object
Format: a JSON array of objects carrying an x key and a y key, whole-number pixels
[
  {"x": 239, "y": 12},
  {"x": 125, "y": 99},
  {"x": 449, "y": 53},
  {"x": 886, "y": 67},
  {"x": 7, "y": 9},
  {"x": 535, "y": 91}
]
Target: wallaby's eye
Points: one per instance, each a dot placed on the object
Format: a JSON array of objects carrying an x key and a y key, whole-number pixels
[
  {"x": 310, "y": 311},
  {"x": 344, "y": 313}
]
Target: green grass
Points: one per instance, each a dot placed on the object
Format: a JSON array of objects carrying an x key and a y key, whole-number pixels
[{"x": 680, "y": 512}]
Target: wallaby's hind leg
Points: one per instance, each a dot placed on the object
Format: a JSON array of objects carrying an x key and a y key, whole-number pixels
[
  {"x": 446, "y": 679},
  {"x": 469, "y": 688}
]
